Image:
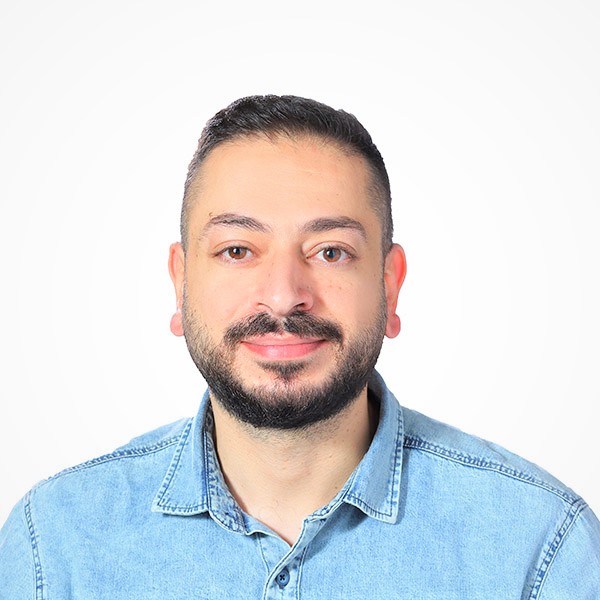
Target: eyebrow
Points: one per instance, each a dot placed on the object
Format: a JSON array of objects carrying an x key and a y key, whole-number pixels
[
  {"x": 235, "y": 220},
  {"x": 315, "y": 226},
  {"x": 329, "y": 223}
]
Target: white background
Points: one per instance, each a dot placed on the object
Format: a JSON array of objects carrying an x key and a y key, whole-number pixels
[{"x": 487, "y": 115}]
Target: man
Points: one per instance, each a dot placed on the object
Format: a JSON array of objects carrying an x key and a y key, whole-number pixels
[{"x": 300, "y": 476}]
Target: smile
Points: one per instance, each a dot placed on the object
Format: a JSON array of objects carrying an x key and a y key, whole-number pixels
[{"x": 282, "y": 348}]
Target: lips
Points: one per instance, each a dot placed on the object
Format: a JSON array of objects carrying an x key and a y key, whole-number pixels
[{"x": 277, "y": 347}]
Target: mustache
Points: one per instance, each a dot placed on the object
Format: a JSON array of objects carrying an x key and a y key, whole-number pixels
[{"x": 297, "y": 323}]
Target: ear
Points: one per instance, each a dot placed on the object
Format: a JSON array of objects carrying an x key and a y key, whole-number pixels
[
  {"x": 394, "y": 272},
  {"x": 177, "y": 273}
]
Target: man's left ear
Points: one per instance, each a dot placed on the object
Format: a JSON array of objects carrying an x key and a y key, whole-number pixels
[
  {"x": 394, "y": 271},
  {"x": 177, "y": 273}
]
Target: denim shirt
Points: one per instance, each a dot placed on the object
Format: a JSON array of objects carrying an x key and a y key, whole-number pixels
[{"x": 429, "y": 513}]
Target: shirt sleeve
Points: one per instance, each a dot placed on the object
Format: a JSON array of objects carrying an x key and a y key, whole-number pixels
[
  {"x": 17, "y": 570},
  {"x": 574, "y": 572}
]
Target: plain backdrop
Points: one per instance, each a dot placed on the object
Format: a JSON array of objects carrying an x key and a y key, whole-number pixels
[{"x": 487, "y": 116}]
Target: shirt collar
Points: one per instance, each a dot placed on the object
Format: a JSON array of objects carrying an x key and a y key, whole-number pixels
[
  {"x": 374, "y": 487},
  {"x": 193, "y": 483}
]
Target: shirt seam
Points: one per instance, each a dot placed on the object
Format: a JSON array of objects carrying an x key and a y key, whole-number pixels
[
  {"x": 116, "y": 455},
  {"x": 486, "y": 465},
  {"x": 261, "y": 551},
  {"x": 301, "y": 569},
  {"x": 33, "y": 538},
  {"x": 554, "y": 547}
]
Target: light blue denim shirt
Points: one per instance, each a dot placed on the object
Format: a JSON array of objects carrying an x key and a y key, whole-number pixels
[{"x": 429, "y": 513}]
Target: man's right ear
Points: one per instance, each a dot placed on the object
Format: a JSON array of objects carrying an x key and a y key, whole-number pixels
[{"x": 177, "y": 273}]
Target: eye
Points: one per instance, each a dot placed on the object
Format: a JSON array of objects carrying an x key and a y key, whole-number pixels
[
  {"x": 332, "y": 254},
  {"x": 235, "y": 253}
]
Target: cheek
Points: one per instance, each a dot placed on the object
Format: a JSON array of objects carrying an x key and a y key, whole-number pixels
[
  {"x": 202, "y": 298},
  {"x": 354, "y": 304},
  {"x": 217, "y": 302}
]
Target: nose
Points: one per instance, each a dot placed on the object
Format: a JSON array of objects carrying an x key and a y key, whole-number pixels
[{"x": 285, "y": 286}]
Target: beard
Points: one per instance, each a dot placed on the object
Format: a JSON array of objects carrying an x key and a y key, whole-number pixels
[{"x": 285, "y": 403}]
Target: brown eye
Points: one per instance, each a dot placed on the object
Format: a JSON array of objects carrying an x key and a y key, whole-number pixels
[
  {"x": 332, "y": 254},
  {"x": 236, "y": 252}
]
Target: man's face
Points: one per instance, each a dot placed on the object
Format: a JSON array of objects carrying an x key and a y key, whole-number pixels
[{"x": 285, "y": 294}]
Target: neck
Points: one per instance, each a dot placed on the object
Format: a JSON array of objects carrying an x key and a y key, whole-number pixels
[{"x": 280, "y": 477}]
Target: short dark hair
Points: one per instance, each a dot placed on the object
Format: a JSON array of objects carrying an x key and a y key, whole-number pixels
[{"x": 293, "y": 116}]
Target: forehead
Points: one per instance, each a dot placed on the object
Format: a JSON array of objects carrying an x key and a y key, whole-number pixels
[{"x": 282, "y": 178}]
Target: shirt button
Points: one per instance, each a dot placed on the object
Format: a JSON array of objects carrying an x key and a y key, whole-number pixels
[{"x": 283, "y": 578}]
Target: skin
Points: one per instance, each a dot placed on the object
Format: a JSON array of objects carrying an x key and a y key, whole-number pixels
[{"x": 280, "y": 226}]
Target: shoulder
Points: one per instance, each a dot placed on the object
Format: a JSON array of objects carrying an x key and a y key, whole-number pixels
[
  {"x": 428, "y": 437},
  {"x": 106, "y": 492},
  {"x": 483, "y": 489},
  {"x": 138, "y": 464}
]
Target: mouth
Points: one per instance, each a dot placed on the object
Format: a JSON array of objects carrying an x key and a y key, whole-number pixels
[{"x": 287, "y": 347}]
